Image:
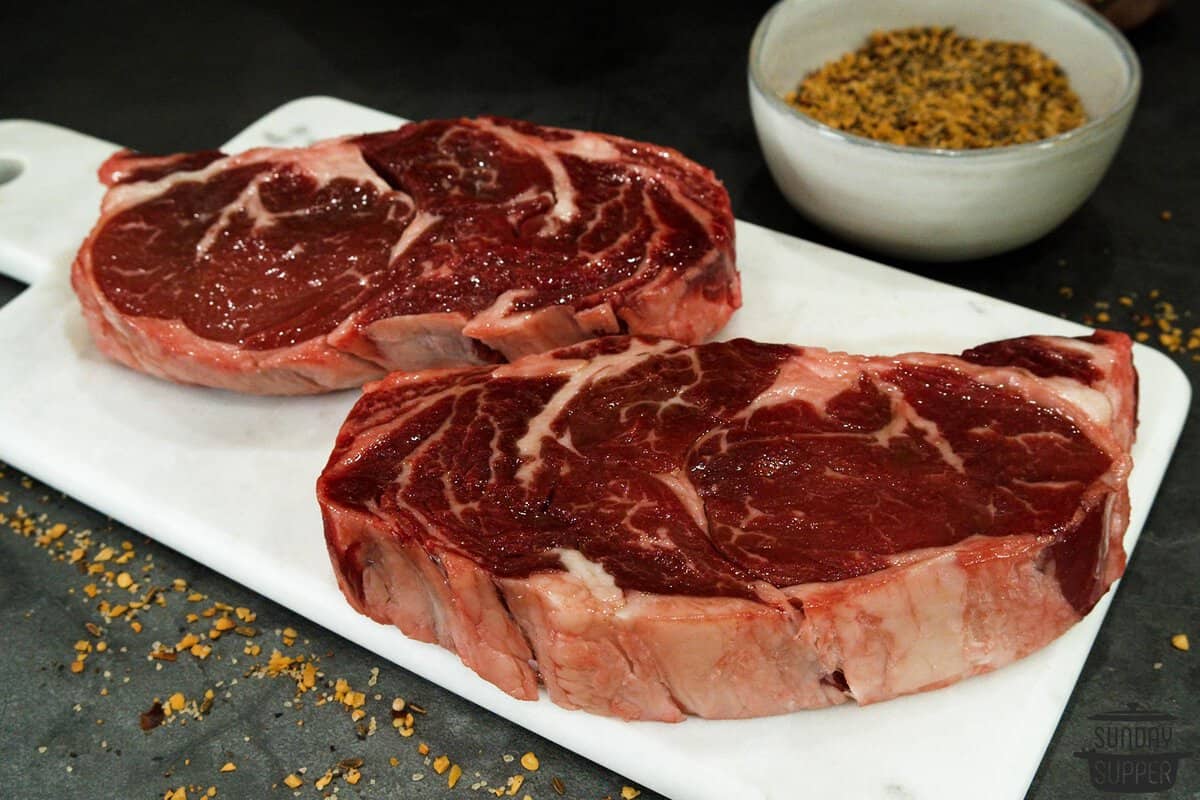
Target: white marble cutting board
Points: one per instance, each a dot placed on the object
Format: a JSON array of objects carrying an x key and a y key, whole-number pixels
[{"x": 228, "y": 480}]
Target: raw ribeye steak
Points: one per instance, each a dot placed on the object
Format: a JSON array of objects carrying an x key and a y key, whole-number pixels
[
  {"x": 442, "y": 243},
  {"x": 737, "y": 529}
]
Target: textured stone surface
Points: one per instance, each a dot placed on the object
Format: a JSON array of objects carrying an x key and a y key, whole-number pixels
[
  {"x": 180, "y": 79},
  {"x": 95, "y": 747}
]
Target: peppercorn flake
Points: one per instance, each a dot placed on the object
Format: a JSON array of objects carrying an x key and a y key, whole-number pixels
[{"x": 931, "y": 87}]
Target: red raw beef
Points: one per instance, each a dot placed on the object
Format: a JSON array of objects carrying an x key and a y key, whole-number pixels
[
  {"x": 737, "y": 529},
  {"x": 442, "y": 243}
]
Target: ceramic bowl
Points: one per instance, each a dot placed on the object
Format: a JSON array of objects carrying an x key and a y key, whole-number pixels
[{"x": 930, "y": 204}]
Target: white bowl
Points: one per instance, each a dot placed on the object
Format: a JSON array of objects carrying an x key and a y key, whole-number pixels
[{"x": 931, "y": 204}]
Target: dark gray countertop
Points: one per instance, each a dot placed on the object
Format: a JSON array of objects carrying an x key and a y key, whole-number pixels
[{"x": 164, "y": 79}]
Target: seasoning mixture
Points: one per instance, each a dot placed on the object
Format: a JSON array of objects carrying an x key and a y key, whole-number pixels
[
  {"x": 214, "y": 651},
  {"x": 1148, "y": 318},
  {"x": 930, "y": 87}
]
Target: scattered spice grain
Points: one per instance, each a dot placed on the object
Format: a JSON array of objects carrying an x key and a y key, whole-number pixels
[
  {"x": 1148, "y": 318},
  {"x": 1180, "y": 642},
  {"x": 931, "y": 87},
  {"x": 89, "y": 556},
  {"x": 149, "y": 720}
]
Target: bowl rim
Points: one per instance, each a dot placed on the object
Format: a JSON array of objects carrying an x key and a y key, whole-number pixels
[{"x": 1084, "y": 132}]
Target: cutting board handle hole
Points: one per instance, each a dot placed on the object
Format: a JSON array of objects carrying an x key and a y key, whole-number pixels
[{"x": 10, "y": 170}]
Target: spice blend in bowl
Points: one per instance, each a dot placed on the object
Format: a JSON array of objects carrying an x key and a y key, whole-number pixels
[
  {"x": 938, "y": 202},
  {"x": 931, "y": 87}
]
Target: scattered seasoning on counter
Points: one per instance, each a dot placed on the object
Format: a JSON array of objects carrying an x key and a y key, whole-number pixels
[
  {"x": 197, "y": 792},
  {"x": 1148, "y": 318},
  {"x": 1165, "y": 216},
  {"x": 118, "y": 585},
  {"x": 149, "y": 720},
  {"x": 931, "y": 87},
  {"x": 1180, "y": 642}
]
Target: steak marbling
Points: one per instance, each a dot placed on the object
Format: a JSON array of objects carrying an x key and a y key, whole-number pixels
[
  {"x": 737, "y": 529},
  {"x": 442, "y": 243}
]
